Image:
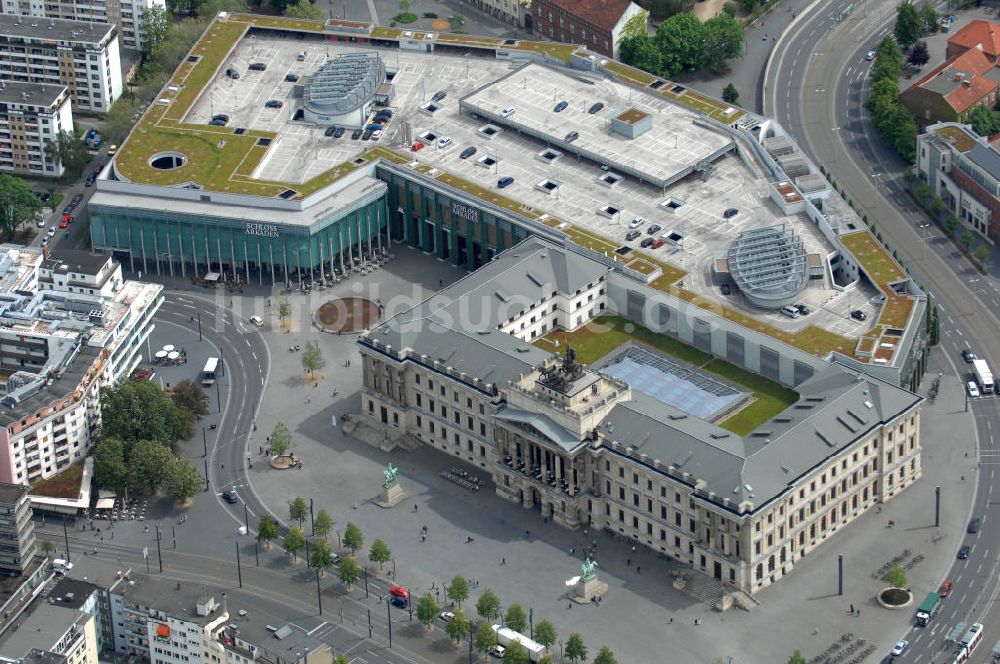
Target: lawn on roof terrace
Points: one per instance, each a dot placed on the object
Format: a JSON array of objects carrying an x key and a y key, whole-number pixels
[
  {"x": 65, "y": 484},
  {"x": 606, "y": 333}
]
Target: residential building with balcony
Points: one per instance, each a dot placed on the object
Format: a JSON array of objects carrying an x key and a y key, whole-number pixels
[
  {"x": 962, "y": 168},
  {"x": 126, "y": 15},
  {"x": 51, "y": 634},
  {"x": 82, "y": 56},
  {"x": 32, "y": 114},
  {"x": 17, "y": 530},
  {"x": 84, "y": 328}
]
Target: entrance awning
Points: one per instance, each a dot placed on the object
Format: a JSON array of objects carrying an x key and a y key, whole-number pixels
[
  {"x": 212, "y": 276},
  {"x": 105, "y": 503}
]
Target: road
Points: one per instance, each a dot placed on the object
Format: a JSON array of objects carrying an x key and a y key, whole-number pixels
[{"x": 814, "y": 87}]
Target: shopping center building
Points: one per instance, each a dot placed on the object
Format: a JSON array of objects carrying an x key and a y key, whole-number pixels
[{"x": 577, "y": 191}]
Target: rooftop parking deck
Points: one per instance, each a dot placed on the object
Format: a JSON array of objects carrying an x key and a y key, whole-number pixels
[{"x": 672, "y": 147}]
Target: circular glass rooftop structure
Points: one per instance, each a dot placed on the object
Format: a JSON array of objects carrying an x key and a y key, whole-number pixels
[
  {"x": 344, "y": 84},
  {"x": 769, "y": 266}
]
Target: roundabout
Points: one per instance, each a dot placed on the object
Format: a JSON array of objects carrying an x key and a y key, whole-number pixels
[{"x": 347, "y": 315}]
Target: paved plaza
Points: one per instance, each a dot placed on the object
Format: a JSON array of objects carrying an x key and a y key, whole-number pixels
[{"x": 637, "y": 611}]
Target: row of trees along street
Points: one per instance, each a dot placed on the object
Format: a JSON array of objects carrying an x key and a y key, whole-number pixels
[
  {"x": 141, "y": 423},
  {"x": 321, "y": 557}
]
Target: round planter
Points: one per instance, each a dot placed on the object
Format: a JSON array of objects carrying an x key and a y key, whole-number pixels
[{"x": 894, "y": 598}]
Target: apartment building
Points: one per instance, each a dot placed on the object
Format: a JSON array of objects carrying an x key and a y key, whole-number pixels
[
  {"x": 458, "y": 373},
  {"x": 82, "y": 56},
  {"x": 17, "y": 530},
  {"x": 32, "y": 114},
  {"x": 962, "y": 168},
  {"x": 52, "y": 634},
  {"x": 84, "y": 328},
  {"x": 599, "y": 25},
  {"x": 126, "y": 15},
  {"x": 951, "y": 90}
]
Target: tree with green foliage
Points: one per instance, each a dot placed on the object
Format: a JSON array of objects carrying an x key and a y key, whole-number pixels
[
  {"x": 281, "y": 440},
  {"x": 70, "y": 151},
  {"x": 155, "y": 21},
  {"x": 723, "y": 41},
  {"x": 909, "y": 25},
  {"x": 132, "y": 411},
  {"x": 515, "y": 653},
  {"x": 919, "y": 55},
  {"x": 982, "y": 253},
  {"x": 545, "y": 633},
  {"x": 929, "y": 17},
  {"x": 405, "y": 5},
  {"x": 312, "y": 359},
  {"x": 486, "y": 638},
  {"x": 110, "y": 469},
  {"x": 798, "y": 658},
  {"x": 680, "y": 39},
  {"x": 923, "y": 191},
  {"x": 575, "y": 650},
  {"x": 984, "y": 120},
  {"x": 294, "y": 542},
  {"x": 183, "y": 481},
  {"x": 284, "y": 310},
  {"x": 457, "y": 21},
  {"x": 320, "y": 556},
  {"x": 353, "y": 539},
  {"x": 637, "y": 25},
  {"x": 730, "y": 94},
  {"x": 937, "y": 206},
  {"x": 663, "y": 9},
  {"x": 298, "y": 510},
  {"x": 341, "y": 659},
  {"x": 47, "y": 547},
  {"x": 18, "y": 204},
  {"x": 967, "y": 238},
  {"x": 488, "y": 605},
  {"x": 547, "y": 659},
  {"x": 458, "y": 590},
  {"x": 322, "y": 524},
  {"x": 896, "y": 577},
  {"x": 304, "y": 9},
  {"x": 952, "y": 223},
  {"x": 267, "y": 530},
  {"x": 348, "y": 572},
  {"x": 149, "y": 464},
  {"x": 458, "y": 627},
  {"x": 642, "y": 52},
  {"x": 427, "y": 610},
  {"x": 516, "y": 618},
  {"x": 605, "y": 656},
  {"x": 189, "y": 395},
  {"x": 379, "y": 553}
]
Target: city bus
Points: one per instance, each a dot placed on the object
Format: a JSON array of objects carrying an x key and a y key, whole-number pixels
[{"x": 208, "y": 373}]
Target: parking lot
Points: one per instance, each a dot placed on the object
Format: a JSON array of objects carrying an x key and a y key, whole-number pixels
[{"x": 568, "y": 186}]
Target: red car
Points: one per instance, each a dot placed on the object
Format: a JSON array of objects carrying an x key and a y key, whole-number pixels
[
  {"x": 945, "y": 589},
  {"x": 63, "y": 224},
  {"x": 657, "y": 244},
  {"x": 417, "y": 146},
  {"x": 67, "y": 219},
  {"x": 399, "y": 591}
]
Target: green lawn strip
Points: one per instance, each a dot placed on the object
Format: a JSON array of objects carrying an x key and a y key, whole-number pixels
[
  {"x": 771, "y": 397},
  {"x": 279, "y": 22}
]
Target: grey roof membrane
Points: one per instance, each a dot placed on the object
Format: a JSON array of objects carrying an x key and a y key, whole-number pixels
[
  {"x": 986, "y": 158},
  {"x": 459, "y": 325},
  {"x": 834, "y": 409}
]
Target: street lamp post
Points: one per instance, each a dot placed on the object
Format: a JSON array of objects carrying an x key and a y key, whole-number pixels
[
  {"x": 836, "y": 143},
  {"x": 875, "y": 181}
]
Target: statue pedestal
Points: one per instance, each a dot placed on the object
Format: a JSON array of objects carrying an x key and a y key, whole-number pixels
[
  {"x": 390, "y": 496},
  {"x": 584, "y": 591}
]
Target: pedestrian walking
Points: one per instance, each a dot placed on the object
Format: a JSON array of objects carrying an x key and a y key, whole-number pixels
[
  {"x": 638, "y": 570},
  {"x": 503, "y": 562},
  {"x": 628, "y": 562}
]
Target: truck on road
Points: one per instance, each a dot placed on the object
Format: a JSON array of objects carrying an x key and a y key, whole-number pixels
[
  {"x": 506, "y": 636},
  {"x": 983, "y": 376},
  {"x": 928, "y": 608}
]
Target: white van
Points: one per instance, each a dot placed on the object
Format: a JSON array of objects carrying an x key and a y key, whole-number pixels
[
  {"x": 790, "y": 311},
  {"x": 973, "y": 388},
  {"x": 257, "y": 320},
  {"x": 60, "y": 566}
]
